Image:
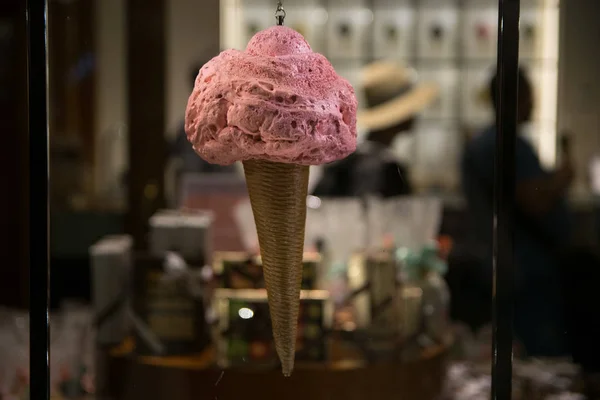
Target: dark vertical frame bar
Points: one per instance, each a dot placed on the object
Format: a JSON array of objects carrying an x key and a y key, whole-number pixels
[
  {"x": 146, "y": 93},
  {"x": 14, "y": 157},
  {"x": 504, "y": 198},
  {"x": 39, "y": 328}
]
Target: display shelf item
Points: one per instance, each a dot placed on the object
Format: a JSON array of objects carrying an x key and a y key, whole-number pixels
[
  {"x": 168, "y": 319},
  {"x": 437, "y": 3},
  {"x": 434, "y": 36},
  {"x": 530, "y": 33},
  {"x": 447, "y": 77},
  {"x": 348, "y": 31},
  {"x": 437, "y": 32},
  {"x": 187, "y": 232},
  {"x": 372, "y": 280},
  {"x": 389, "y": 4},
  {"x": 244, "y": 328},
  {"x": 111, "y": 269},
  {"x": 468, "y": 4},
  {"x": 238, "y": 270},
  {"x": 310, "y": 19},
  {"x": 480, "y": 32},
  {"x": 394, "y": 32}
]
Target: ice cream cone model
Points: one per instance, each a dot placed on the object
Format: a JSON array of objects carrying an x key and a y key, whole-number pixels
[{"x": 279, "y": 108}]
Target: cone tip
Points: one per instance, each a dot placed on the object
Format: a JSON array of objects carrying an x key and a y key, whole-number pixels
[
  {"x": 287, "y": 368},
  {"x": 285, "y": 343}
]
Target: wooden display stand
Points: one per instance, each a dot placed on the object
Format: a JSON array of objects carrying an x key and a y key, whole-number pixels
[{"x": 187, "y": 378}]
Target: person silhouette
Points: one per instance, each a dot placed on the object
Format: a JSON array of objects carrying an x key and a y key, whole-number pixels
[{"x": 542, "y": 227}]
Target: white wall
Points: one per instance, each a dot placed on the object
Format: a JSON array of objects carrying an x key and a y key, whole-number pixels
[
  {"x": 110, "y": 92},
  {"x": 579, "y": 84},
  {"x": 192, "y": 37}
]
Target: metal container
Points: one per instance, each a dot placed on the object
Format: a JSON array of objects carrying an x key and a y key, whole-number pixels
[{"x": 372, "y": 278}]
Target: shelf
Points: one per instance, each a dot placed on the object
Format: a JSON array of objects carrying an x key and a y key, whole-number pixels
[{"x": 189, "y": 378}]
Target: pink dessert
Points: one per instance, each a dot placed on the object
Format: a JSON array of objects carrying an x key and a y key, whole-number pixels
[{"x": 275, "y": 101}]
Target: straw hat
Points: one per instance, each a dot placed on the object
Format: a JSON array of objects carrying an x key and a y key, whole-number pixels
[{"x": 393, "y": 95}]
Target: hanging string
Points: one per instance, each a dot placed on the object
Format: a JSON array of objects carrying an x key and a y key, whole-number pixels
[{"x": 279, "y": 13}]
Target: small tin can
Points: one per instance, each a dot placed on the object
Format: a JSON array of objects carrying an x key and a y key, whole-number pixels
[
  {"x": 376, "y": 297},
  {"x": 372, "y": 278}
]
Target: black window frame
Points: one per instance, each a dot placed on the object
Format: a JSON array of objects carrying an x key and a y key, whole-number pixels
[{"x": 504, "y": 197}]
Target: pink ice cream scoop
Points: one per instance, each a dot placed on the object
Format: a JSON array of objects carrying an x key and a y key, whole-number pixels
[
  {"x": 277, "y": 100},
  {"x": 277, "y": 107}
]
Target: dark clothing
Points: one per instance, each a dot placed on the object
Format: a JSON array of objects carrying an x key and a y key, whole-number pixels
[
  {"x": 538, "y": 312},
  {"x": 581, "y": 274},
  {"x": 192, "y": 162},
  {"x": 371, "y": 170}
]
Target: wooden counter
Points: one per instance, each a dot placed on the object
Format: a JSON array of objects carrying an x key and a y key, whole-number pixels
[{"x": 178, "y": 378}]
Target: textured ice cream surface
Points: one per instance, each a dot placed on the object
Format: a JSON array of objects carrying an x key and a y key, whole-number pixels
[{"x": 275, "y": 101}]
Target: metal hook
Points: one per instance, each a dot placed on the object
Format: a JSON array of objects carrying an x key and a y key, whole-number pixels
[{"x": 279, "y": 13}]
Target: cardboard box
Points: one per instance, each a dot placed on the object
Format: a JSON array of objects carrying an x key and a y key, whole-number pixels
[
  {"x": 238, "y": 270},
  {"x": 187, "y": 232},
  {"x": 168, "y": 320}
]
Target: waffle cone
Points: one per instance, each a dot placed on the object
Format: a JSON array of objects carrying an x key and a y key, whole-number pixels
[{"x": 278, "y": 197}]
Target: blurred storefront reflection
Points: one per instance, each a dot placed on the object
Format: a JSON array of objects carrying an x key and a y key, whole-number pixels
[{"x": 161, "y": 248}]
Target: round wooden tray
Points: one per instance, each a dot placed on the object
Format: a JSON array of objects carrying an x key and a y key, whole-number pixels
[{"x": 178, "y": 378}]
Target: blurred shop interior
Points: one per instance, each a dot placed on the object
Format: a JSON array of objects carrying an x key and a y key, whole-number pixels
[{"x": 125, "y": 180}]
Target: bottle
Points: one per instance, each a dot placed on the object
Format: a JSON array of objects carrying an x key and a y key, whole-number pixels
[{"x": 424, "y": 270}]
